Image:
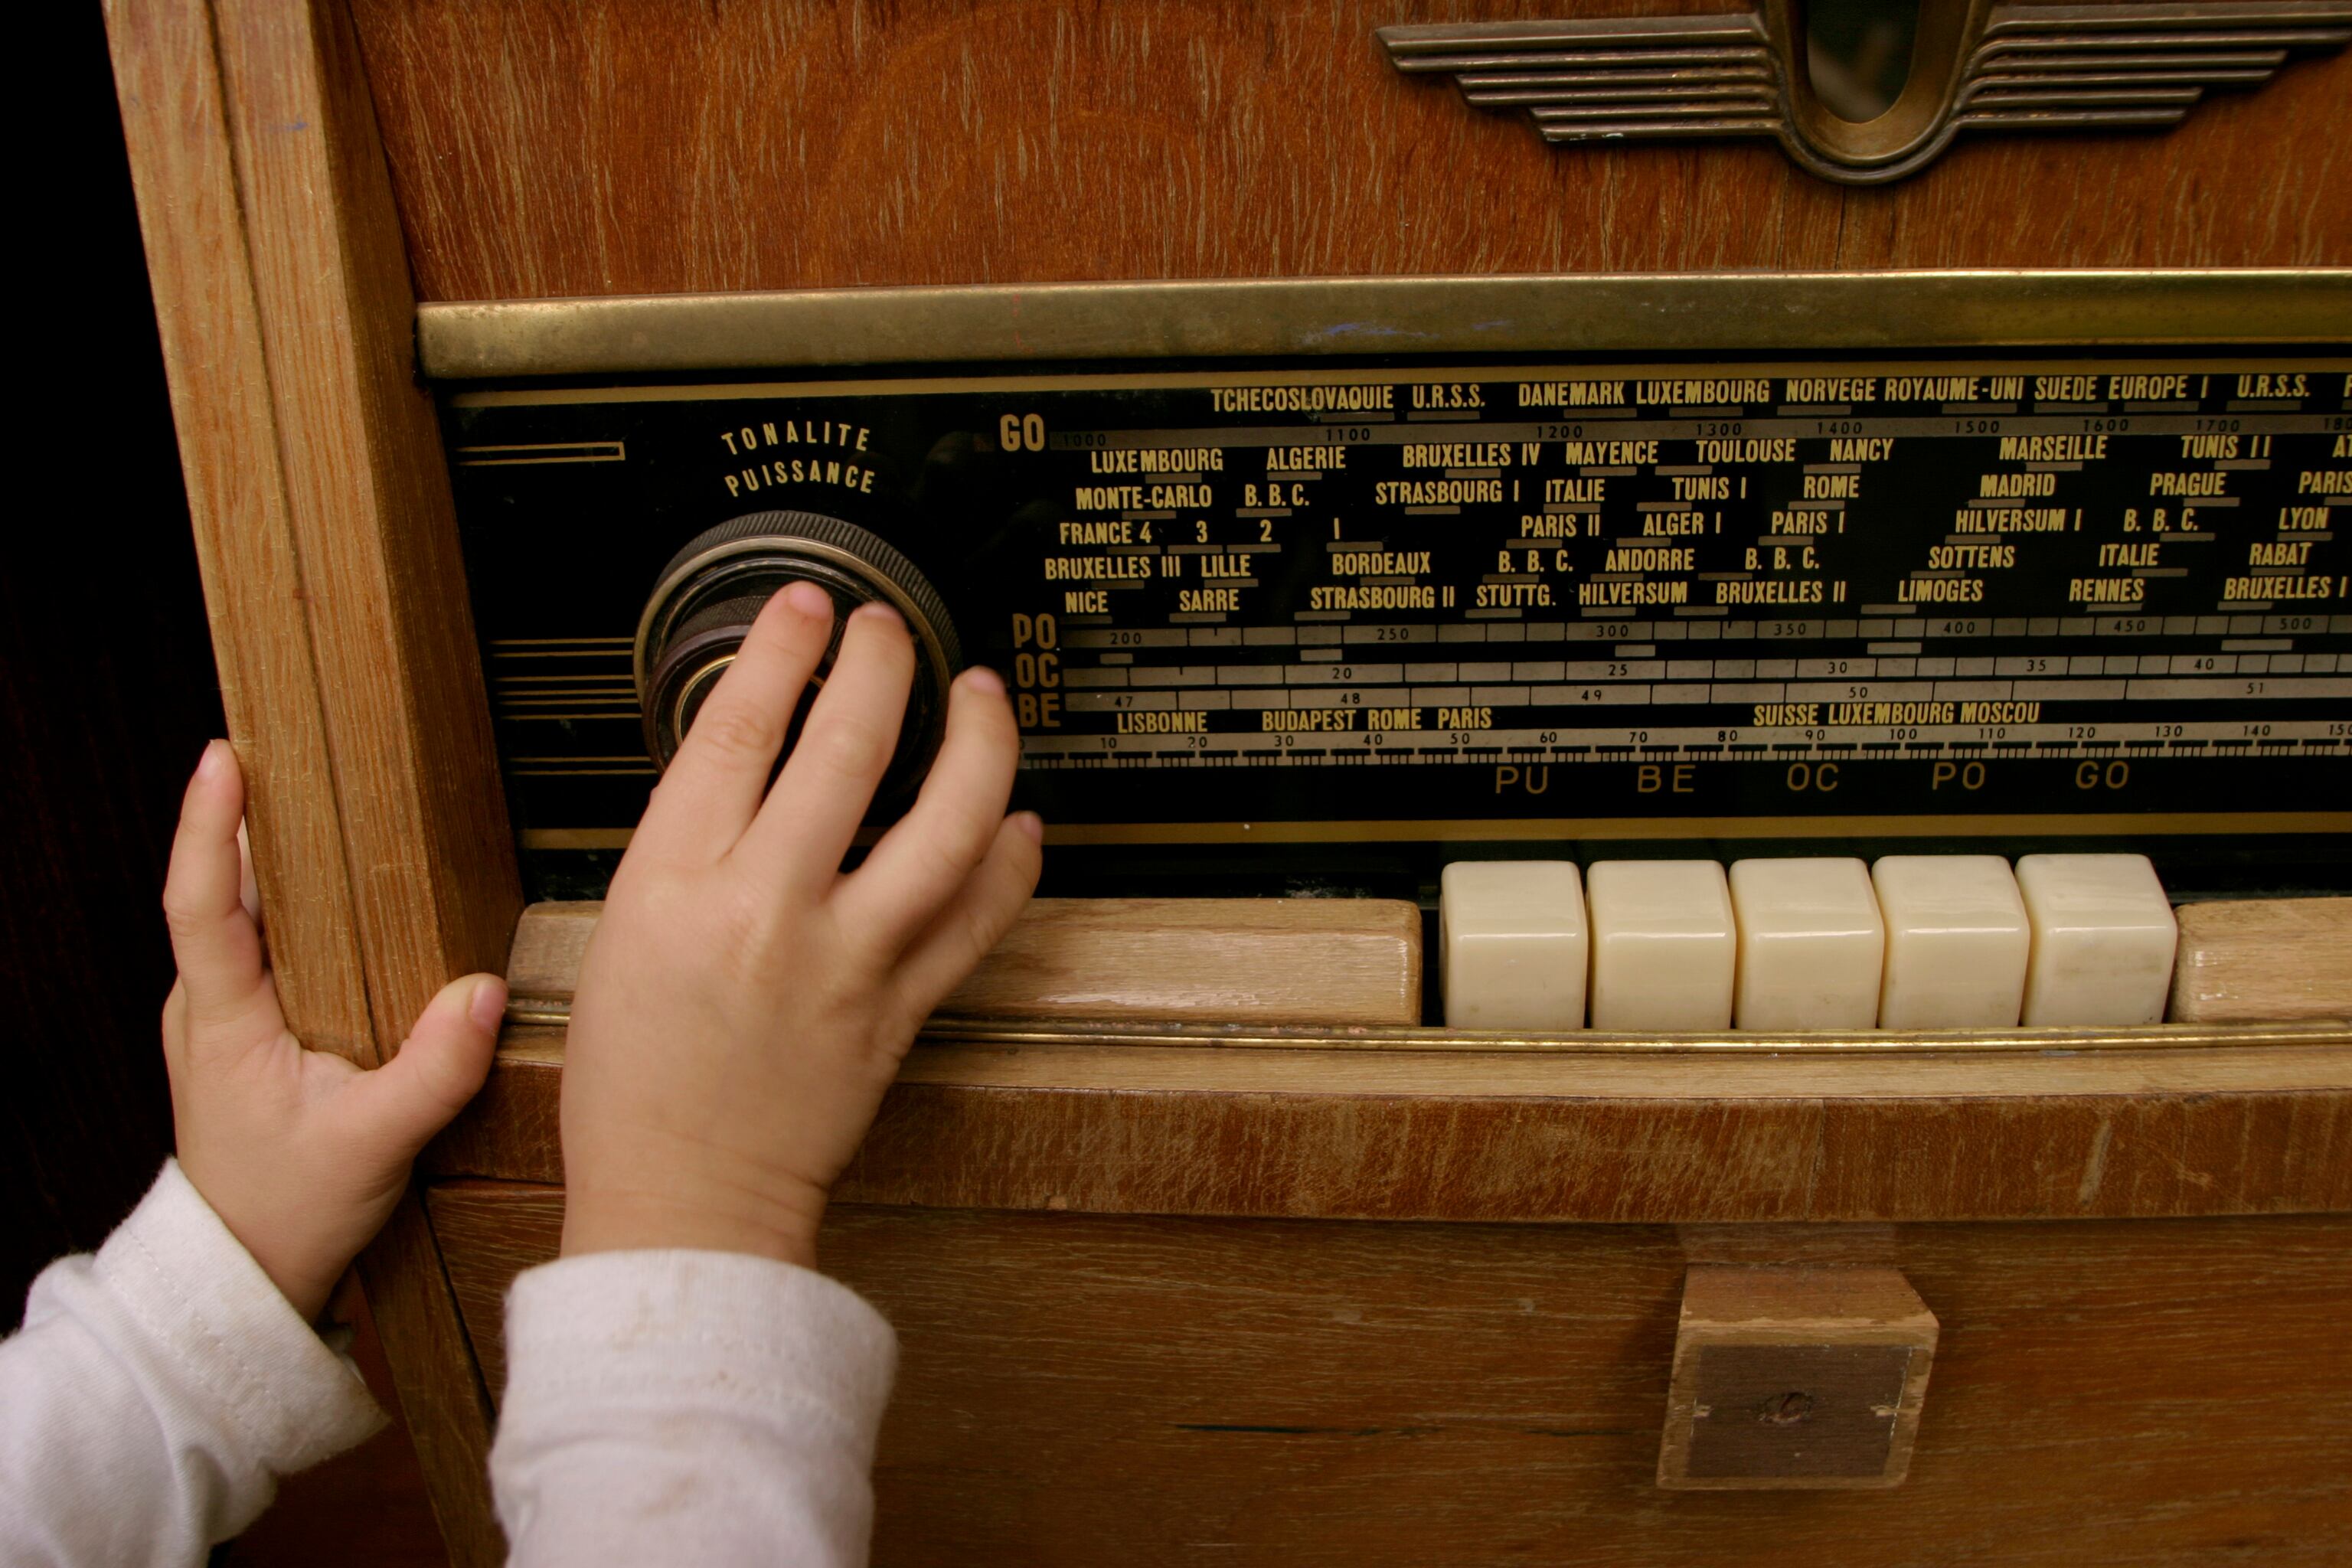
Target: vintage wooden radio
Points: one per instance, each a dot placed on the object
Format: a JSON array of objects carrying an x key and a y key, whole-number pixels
[{"x": 1357, "y": 478}]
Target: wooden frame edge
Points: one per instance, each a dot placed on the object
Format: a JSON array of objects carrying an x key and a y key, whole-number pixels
[{"x": 313, "y": 463}]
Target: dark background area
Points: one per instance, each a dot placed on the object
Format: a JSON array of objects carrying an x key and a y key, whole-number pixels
[{"x": 107, "y": 692}]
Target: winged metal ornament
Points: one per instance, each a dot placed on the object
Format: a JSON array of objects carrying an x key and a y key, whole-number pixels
[{"x": 1975, "y": 66}]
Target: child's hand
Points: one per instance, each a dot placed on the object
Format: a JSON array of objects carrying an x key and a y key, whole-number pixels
[
  {"x": 302, "y": 1153},
  {"x": 743, "y": 1004}
]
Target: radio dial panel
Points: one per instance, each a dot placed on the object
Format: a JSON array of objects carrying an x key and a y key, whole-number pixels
[{"x": 1342, "y": 624}]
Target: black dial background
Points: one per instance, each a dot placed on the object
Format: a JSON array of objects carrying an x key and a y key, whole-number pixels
[{"x": 568, "y": 550}]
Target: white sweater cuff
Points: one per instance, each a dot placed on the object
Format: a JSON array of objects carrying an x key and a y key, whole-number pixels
[
  {"x": 710, "y": 1325},
  {"x": 677, "y": 1406},
  {"x": 204, "y": 1303}
]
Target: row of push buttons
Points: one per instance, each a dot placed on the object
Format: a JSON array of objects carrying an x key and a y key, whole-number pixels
[{"x": 1913, "y": 941}]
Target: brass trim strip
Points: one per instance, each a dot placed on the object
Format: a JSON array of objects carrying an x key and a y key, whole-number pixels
[
  {"x": 1652, "y": 312},
  {"x": 2089, "y": 824},
  {"x": 548, "y": 1013}
]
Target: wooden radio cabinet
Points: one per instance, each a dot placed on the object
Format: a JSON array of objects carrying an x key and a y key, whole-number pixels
[{"x": 1235, "y": 1288}]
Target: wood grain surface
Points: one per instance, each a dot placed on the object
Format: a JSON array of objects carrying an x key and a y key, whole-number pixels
[
  {"x": 1621, "y": 1138},
  {"x": 1079, "y": 1389},
  {"x": 431, "y": 857},
  {"x": 1335, "y": 961},
  {"x": 175, "y": 123},
  {"x": 546, "y": 148},
  {"x": 328, "y": 551},
  {"x": 2263, "y": 958}
]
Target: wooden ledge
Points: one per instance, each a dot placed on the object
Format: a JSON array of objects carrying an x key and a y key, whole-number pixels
[
  {"x": 2115, "y": 1124},
  {"x": 1016, "y": 1103},
  {"x": 1266, "y": 962}
]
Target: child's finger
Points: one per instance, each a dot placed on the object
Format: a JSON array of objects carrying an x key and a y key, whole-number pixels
[
  {"x": 924, "y": 859},
  {"x": 248, "y": 890},
  {"x": 805, "y": 827},
  {"x": 213, "y": 939},
  {"x": 439, "y": 1067},
  {"x": 977, "y": 918},
  {"x": 175, "y": 1025},
  {"x": 715, "y": 783}
]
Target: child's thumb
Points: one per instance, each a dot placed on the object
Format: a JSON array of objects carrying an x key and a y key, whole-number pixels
[{"x": 441, "y": 1065}]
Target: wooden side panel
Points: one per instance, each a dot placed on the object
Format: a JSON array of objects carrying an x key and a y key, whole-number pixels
[
  {"x": 175, "y": 125},
  {"x": 1077, "y": 1389},
  {"x": 1601, "y": 1137},
  {"x": 433, "y": 878},
  {"x": 432, "y": 862},
  {"x": 549, "y": 148},
  {"x": 331, "y": 568}
]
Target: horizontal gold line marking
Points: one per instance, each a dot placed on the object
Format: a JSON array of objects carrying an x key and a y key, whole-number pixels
[
  {"x": 573, "y": 452},
  {"x": 1513, "y": 829},
  {"x": 576, "y": 837},
  {"x": 528, "y": 462},
  {"x": 540, "y": 446},
  {"x": 620, "y": 650},
  {"x": 2114, "y": 824}
]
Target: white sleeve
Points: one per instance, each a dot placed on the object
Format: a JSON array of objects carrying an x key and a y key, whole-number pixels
[
  {"x": 675, "y": 1407},
  {"x": 156, "y": 1392}
]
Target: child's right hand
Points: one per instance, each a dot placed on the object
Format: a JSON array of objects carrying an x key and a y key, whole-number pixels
[{"x": 743, "y": 1004}]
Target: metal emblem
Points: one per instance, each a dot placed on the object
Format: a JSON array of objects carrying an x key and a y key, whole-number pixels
[{"x": 1974, "y": 66}]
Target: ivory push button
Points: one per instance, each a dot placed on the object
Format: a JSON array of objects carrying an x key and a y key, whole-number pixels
[
  {"x": 1810, "y": 942},
  {"x": 1663, "y": 948},
  {"x": 1956, "y": 941},
  {"x": 1511, "y": 937},
  {"x": 2103, "y": 939}
]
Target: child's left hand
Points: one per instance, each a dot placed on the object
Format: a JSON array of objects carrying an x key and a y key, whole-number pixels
[{"x": 300, "y": 1153}]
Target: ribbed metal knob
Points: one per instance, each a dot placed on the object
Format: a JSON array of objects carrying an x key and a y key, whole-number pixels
[{"x": 707, "y": 597}]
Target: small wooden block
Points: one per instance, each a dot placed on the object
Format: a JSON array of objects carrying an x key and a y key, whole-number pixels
[
  {"x": 1795, "y": 1378},
  {"x": 543, "y": 964},
  {"x": 2264, "y": 961},
  {"x": 1333, "y": 962},
  {"x": 1264, "y": 961}
]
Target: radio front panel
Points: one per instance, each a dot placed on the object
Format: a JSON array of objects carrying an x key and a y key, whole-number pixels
[{"x": 1381, "y": 614}]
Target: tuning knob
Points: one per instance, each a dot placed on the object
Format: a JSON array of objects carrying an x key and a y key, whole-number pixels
[{"x": 705, "y": 598}]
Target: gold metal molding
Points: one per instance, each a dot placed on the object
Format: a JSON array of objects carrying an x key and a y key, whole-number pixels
[
  {"x": 1567, "y": 313},
  {"x": 546, "y": 1013},
  {"x": 1976, "y": 65}
]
